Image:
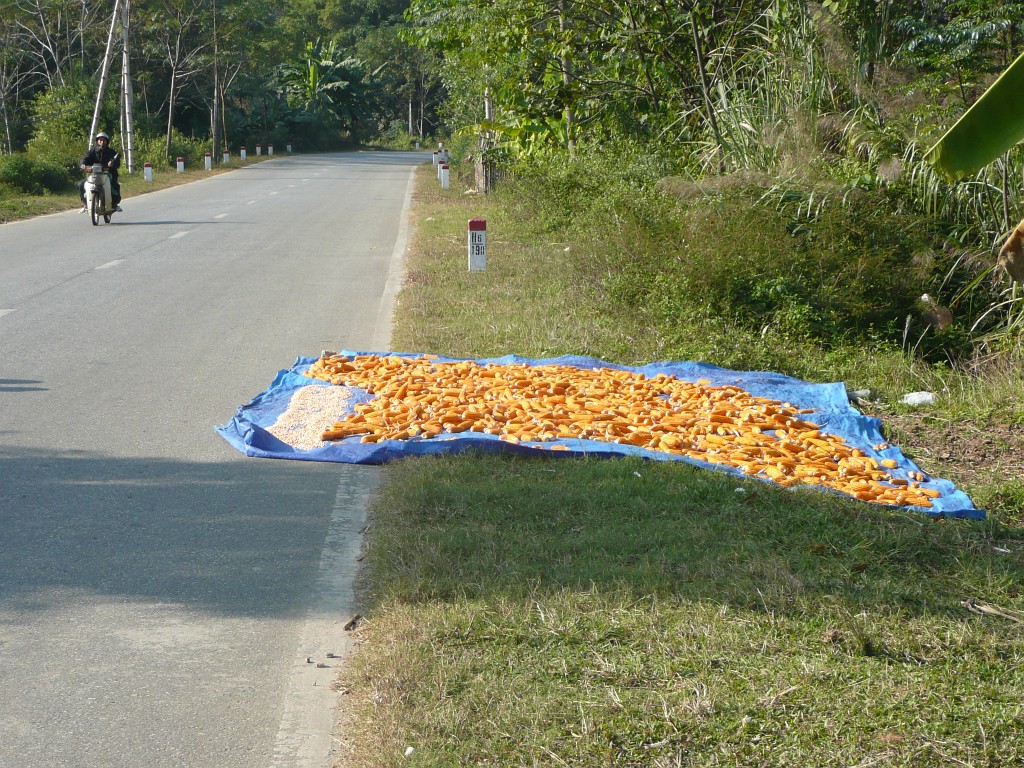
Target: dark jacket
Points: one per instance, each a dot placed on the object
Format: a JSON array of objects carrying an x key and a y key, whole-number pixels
[{"x": 106, "y": 157}]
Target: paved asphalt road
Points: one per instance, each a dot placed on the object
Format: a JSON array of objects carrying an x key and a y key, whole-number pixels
[{"x": 159, "y": 592}]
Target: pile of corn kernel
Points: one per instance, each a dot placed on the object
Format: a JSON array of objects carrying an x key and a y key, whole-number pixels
[{"x": 423, "y": 397}]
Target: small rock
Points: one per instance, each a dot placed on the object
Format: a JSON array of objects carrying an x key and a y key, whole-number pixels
[
  {"x": 918, "y": 398},
  {"x": 860, "y": 394},
  {"x": 409, "y": 751}
]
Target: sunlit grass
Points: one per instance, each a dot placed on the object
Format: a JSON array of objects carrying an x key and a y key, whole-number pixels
[{"x": 577, "y": 612}]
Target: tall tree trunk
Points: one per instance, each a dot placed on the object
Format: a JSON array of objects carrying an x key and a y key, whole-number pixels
[
  {"x": 566, "y": 65},
  {"x": 701, "y": 55},
  {"x": 215, "y": 113},
  {"x": 172, "y": 97}
]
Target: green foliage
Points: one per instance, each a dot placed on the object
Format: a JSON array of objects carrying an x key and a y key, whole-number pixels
[
  {"x": 61, "y": 118},
  {"x": 987, "y": 130},
  {"x": 397, "y": 136},
  {"x": 33, "y": 175},
  {"x": 323, "y": 87},
  {"x": 153, "y": 149}
]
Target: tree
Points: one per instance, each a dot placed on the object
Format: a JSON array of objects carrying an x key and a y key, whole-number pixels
[{"x": 177, "y": 29}]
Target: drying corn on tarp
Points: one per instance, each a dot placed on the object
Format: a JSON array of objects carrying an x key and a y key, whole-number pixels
[{"x": 763, "y": 425}]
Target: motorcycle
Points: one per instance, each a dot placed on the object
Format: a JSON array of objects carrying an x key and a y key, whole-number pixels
[{"x": 99, "y": 197}]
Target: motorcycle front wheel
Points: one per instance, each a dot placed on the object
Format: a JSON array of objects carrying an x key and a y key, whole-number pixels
[{"x": 94, "y": 209}]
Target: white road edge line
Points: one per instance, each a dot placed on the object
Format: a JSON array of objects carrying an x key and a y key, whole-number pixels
[
  {"x": 176, "y": 235},
  {"x": 110, "y": 264},
  {"x": 396, "y": 275},
  {"x": 308, "y": 712}
]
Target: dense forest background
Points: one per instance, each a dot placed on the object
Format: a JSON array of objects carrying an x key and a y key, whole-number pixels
[{"x": 811, "y": 106}]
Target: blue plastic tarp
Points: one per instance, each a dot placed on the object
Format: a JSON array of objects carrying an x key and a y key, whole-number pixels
[{"x": 247, "y": 431}]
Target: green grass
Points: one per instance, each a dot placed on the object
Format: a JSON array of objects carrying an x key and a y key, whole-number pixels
[{"x": 577, "y": 612}]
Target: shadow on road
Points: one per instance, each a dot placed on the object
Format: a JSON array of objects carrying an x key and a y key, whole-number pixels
[
  {"x": 21, "y": 385},
  {"x": 238, "y": 538}
]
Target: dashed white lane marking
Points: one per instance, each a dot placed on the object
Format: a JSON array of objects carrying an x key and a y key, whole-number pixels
[
  {"x": 290, "y": 186},
  {"x": 220, "y": 216},
  {"x": 273, "y": 193},
  {"x": 176, "y": 235},
  {"x": 5, "y": 312},
  {"x": 110, "y": 264},
  {"x": 250, "y": 202}
]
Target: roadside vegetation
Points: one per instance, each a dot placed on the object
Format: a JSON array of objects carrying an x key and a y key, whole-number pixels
[{"x": 581, "y": 612}]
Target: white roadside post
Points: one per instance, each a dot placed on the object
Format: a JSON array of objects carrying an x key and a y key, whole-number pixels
[
  {"x": 477, "y": 245},
  {"x": 436, "y": 159},
  {"x": 259, "y": 150},
  {"x": 147, "y": 171},
  {"x": 208, "y": 160},
  {"x": 270, "y": 149},
  {"x": 241, "y": 151},
  {"x": 444, "y": 175},
  {"x": 181, "y": 165},
  {"x": 227, "y": 157},
  {"x": 289, "y": 148}
]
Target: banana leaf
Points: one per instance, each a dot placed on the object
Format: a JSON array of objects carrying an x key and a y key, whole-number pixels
[{"x": 990, "y": 127}]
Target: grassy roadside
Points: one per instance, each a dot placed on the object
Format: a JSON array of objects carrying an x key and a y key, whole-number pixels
[
  {"x": 15, "y": 205},
  {"x": 573, "y": 612}
]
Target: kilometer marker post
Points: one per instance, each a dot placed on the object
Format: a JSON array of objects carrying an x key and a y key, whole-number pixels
[{"x": 477, "y": 245}]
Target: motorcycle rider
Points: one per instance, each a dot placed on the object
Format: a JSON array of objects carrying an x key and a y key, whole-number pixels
[{"x": 103, "y": 154}]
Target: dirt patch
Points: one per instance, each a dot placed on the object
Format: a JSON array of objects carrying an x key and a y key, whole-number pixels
[{"x": 970, "y": 454}]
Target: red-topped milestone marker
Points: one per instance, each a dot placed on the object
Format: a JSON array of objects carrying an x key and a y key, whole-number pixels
[{"x": 477, "y": 245}]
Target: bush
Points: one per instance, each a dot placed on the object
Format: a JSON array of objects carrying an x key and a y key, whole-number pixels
[
  {"x": 33, "y": 176},
  {"x": 396, "y": 136},
  {"x": 61, "y": 116}
]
